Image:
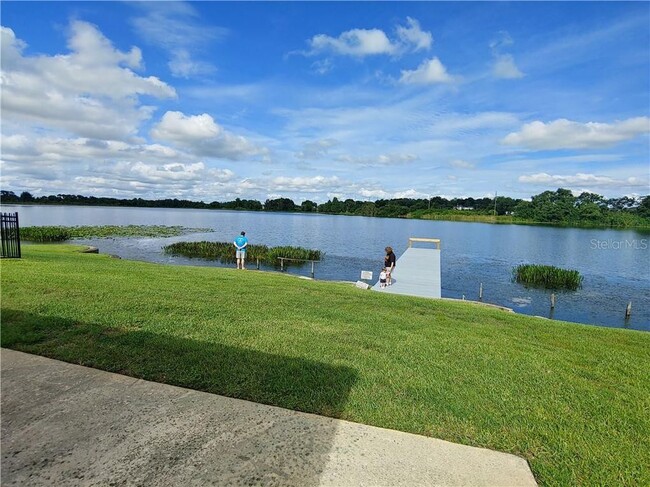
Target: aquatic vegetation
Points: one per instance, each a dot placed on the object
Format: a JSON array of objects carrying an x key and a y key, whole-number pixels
[
  {"x": 547, "y": 276},
  {"x": 61, "y": 233},
  {"x": 225, "y": 252}
]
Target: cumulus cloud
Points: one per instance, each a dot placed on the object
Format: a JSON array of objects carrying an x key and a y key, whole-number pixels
[
  {"x": 566, "y": 134},
  {"x": 30, "y": 148},
  {"x": 91, "y": 91},
  {"x": 429, "y": 72},
  {"x": 588, "y": 180},
  {"x": 369, "y": 42},
  {"x": 355, "y": 42},
  {"x": 202, "y": 136}
]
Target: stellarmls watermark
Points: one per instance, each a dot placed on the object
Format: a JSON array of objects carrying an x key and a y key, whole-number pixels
[{"x": 611, "y": 244}]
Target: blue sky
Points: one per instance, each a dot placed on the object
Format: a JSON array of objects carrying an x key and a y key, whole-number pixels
[{"x": 311, "y": 100}]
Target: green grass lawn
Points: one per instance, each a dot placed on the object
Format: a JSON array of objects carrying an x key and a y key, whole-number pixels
[{"x": 574, "y": 400}]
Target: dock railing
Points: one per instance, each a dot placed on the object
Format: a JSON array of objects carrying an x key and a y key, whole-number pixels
[{"x": 435, "y": 241}]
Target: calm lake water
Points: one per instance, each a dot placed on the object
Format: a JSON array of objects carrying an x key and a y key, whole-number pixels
[{"x": 615, "y": 263}]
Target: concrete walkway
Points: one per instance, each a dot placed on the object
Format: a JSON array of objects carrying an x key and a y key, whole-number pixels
[{"x": 64, "y": 424}]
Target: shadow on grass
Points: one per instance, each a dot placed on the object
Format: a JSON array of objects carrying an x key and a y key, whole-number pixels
[
  {"x": 289, "y": 382},
  {"x": 301, "y": 446}
]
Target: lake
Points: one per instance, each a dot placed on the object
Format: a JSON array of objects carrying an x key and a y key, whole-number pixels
[{"x": 615, "y": 263}]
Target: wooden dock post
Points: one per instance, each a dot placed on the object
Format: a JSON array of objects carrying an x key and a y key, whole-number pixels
[
  {"x": 480, "y": 292},
  {"x": 258, "y": 263},
  {"x": 312, "y": 269},
  {"x": 552, "y": 300},
  {"x": 281, "y": 264},
  {"x": 628, "y": 309}
]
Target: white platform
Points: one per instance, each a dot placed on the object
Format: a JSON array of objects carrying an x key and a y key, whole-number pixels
[{"x": 417, "y": 273}]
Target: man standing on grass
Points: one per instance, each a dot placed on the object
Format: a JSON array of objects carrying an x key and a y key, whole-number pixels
[{"x": 240, "y": 243}]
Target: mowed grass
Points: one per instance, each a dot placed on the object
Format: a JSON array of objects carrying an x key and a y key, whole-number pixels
[{"x": 574, "y": 400}]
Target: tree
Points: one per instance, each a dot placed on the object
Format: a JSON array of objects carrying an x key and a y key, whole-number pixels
[
  {"x": 308, "y": 206},
  {"x": 644, "y": 207},
  {"x": 8, "y": 197},
  {"x": 26, "y": 197},
  {"x": 554, "y": 206},
  {"x": 593, "y": 198},
  {"x": 280, "y": 204},
  {"x": 367, "y": 209}
]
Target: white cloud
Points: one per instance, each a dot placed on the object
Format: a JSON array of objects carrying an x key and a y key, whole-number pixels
[
  {"x": 566, "y": 134},
  {"x": 30, "y": 148},
  {"x": 369, "y": 42},
  {"x": 505, "y": 67},
  {"x": 202, "y": 136},
  {"x": 183, "y": 66},
  {"x": 375, "y": 194},
  {"x": 177, "y": 127},
  {"x": 413, "y": 35},
  {"x": 175, "y": 27},
  {"x": 91, "y": 92},
  {"x": 355, "y": 42},
  {"x": 504, "y": 64},
  {"x": 429, "y": 72},
  {"x": 304, "y": 184},
  {"x": 588, "y": 180}
]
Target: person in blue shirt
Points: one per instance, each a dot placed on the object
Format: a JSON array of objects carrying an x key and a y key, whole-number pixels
[{"x": 241, "y": 242}]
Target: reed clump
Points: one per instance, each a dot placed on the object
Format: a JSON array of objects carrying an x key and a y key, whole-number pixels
[
  {"x": 60, "y": 233},
  {"x": 548, "y": 277},
  {"x": 225, "y": 252}
]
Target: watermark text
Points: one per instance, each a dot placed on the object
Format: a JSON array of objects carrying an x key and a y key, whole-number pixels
[{"x": 611, "y": 244}]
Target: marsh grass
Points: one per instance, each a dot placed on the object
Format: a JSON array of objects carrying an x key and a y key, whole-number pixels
[
  {"x": 225, "y": 252},
  {"x": 547, "y": 277},
  {"x": 44, "y": 234}
]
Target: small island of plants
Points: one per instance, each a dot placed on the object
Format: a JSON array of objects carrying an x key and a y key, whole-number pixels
[
  {"x": 61, "y": 234},
  {"x": 547, "y": 276},
  {"x": 225, "y": 252}
]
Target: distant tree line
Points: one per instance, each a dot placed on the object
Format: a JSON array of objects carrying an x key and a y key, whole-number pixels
[{"x": 559, "y": 206}]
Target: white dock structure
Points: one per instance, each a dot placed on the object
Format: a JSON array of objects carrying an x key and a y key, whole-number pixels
[{"x": 417, "y": 271}]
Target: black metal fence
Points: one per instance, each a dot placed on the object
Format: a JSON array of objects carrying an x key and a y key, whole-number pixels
[{"x": 10, "y": 231}]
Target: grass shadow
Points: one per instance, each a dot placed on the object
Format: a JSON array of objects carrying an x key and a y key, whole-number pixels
[
  {"x": 300, "y": 446},
  {"x": 290, "y": 382}
]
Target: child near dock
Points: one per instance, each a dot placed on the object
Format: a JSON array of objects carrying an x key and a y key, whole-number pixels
[{"x": 382, "y": 278}]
